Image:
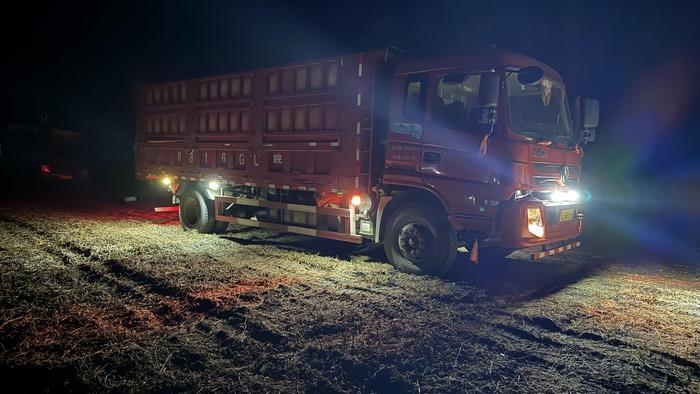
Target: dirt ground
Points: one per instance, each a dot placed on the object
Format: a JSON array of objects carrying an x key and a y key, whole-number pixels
[{"x": 121, "y": 299}]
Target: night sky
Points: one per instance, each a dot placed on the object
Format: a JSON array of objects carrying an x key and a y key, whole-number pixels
[{"x": 639, "y": 58}]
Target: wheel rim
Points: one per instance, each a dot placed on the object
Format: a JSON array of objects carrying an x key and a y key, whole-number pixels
[
  {"x": 414, "y": 242},
  {"x": 191, "y": 212}
]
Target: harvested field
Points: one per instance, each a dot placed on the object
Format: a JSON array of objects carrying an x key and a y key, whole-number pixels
[{"x": 120, "y": 299}]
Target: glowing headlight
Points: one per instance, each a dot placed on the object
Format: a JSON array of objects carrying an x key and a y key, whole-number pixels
[
  {"x": 166, "y": 181},
  {"x": 363, "y": 203},
  {"x": 213, "y": 185},
  {"x": 534, "y": 222},
  {"x": 561, "y": 196}
]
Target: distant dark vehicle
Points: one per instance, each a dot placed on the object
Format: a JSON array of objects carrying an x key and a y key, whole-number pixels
[{"x": 34, "y": 153}]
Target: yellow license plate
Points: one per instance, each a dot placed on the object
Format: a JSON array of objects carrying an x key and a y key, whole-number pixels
[{"x": 566, "y": 214}]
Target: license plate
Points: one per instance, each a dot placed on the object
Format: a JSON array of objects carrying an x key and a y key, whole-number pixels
[{"x": 566, "y": 214}]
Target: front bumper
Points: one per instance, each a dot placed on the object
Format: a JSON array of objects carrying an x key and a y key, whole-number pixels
[
  {"x": 561, "y": 222},
  {"x": 553, "y": 251}
]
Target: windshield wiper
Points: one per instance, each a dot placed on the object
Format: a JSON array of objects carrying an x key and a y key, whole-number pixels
[
  {"x": 538, "y": 136},
  {"x": 541, "y": 137},
  {"x": 570, "y": 141}
]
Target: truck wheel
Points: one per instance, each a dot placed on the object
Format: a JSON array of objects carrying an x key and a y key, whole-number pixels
[
  {"x": 419, "y": 241},
  {"x": 197, "y": 213}
]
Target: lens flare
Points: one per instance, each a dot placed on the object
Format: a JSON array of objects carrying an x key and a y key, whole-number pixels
[{"x": 565, "y": 196}]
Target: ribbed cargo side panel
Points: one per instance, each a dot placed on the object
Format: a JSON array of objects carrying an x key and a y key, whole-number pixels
[{"x": 301, "y": 126}]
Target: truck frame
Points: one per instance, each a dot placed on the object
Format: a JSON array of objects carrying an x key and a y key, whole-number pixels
[{"x": 422, "y": 155}]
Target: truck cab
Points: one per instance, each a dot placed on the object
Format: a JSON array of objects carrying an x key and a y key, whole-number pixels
[{"x": 491, "y": 137}]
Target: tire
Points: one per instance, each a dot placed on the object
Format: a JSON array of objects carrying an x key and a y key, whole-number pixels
[
  {"x": 197, "y": 213},
  {"x": 420, "y": 242}
]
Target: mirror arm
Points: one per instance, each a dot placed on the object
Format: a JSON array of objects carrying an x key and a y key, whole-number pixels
[
  {"x": 585, "y": 133},
  {"x": 485, "y": 140}
]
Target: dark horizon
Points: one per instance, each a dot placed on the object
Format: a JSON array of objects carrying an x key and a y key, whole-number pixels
[{"x": 640, "y": 60}]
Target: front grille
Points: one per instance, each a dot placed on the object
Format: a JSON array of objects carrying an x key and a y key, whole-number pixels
[
  {"x": 543, "y": 180},
  {"x": 554, "y": 168},
  {"x": 549, "y": 173}
]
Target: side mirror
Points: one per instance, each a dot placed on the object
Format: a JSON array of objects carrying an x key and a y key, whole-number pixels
[
  {"x": 588, "y": 118},
  {"x": 590, "y": 113},
  {"x": 489, "y": 90}
]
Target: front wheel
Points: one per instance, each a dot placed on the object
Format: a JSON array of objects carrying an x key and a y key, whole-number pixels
[
  {"x": 197, "y": 213},
  {"x": 420, "y": 242}
]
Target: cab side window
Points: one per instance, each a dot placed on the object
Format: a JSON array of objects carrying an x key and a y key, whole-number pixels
[
  {"x": 415, "y": 96},
  {"x": 455, "y": 106}
]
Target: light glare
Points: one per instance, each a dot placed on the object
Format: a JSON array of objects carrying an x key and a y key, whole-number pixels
[
  {"x": 213, "y": 185},
  {"x": 565, "y": 195},
  {"x": 166, "y": 181}
]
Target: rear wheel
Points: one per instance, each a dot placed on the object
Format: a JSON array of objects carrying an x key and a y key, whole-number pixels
[
  {"x": 419, "y": 241},
  {"x": 197, "y": 213}
]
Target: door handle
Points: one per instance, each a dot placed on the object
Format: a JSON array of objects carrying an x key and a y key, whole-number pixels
[{"x": 431, "y": 158}]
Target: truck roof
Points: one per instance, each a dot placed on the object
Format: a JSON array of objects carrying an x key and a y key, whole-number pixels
[
  {"x": 408, "y": 63},
  {"x": 486, "y": 58}
]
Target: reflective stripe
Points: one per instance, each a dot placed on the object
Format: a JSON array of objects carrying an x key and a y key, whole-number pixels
[{"x": 554, "y": 251}]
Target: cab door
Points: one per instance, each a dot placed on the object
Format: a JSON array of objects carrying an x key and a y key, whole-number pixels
[
  {"x": 454, "y": 127},
  {"x": 404, "y": 139},
  {"x": 453, "y": 131}
]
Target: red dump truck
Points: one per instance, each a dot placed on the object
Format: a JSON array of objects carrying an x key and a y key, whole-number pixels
[{"x": 422, "y": 155}]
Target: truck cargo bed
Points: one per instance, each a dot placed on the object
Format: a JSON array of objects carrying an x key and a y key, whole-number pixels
[{"x": 305, "y": 126}]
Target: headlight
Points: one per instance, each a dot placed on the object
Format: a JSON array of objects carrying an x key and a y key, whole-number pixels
[
  {"x": 534, "y": 222},
  {"x": 213, "y": 185},
  {"x": 166, "y": 181},
  {"x": 565, "y": 196}
]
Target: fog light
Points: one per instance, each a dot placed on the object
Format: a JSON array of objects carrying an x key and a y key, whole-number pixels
[
  {"x": 166, "y": 181},
  {"x": 534, "y": 222},
  {"x": 213, "y": 185}
]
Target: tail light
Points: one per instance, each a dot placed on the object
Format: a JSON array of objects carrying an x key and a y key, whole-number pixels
[{"x": 45, "y": 169}]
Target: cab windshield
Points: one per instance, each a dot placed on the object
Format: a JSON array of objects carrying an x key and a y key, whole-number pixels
[{"x": 538, "y": 110}]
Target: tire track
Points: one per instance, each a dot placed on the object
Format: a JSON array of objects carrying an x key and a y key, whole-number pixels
[
  {"x": 549, "y": 325},
  {"x": 236, "y": 335},
  {"x": 538, "y": 341},
  {"x": 612, "y": 349},
  {"x": 84, "y": 258}
]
